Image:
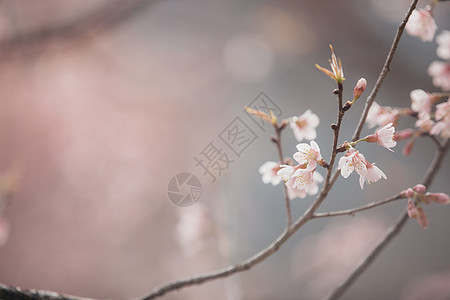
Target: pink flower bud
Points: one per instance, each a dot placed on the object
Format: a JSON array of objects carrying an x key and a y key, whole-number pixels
[
  {"x": 408, "y": 147},
  {"x": 412, "y": 209},
  {"x": 359, "y": 88},
  {"x": 409, "y": 193},
  {"x": 441, "y": 198},
  {"x": 422, "y": 218},
  {"x": 403, "y": 134},
  {"x": 419, "y": 188}
]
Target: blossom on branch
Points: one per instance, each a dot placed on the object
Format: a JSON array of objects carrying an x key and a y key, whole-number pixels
[
  {"x": 440, "y": 71},
  {"x": 300, "y": 184},
  {"x": 384, "y": 137},
  {"x": 355, "y": 161},
  {"x": 308, "y": 154},
  {"x": 381, "y": 115},
  {"x": 442, "y": 115},
  {"x": 443, "y": 40},
  {"x": 304, "y": 126},
  {"x": 422, "y": 101},
  {"x": 303, "y": 178},
  {"x": 421, "y": 24},
  {"x": 424, "y": 122},
  {"x": 269, "y": 172},
  {"x": 416, "y": 196}
]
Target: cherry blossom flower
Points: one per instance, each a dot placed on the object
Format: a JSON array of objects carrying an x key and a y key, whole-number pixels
[
  {"x": 303, "y": 182},
  {"x": 373, "y": 175},
  {"x": 442, "y": 115},
  {"x": 308, "y": 154},
  {"x": 269, "y": 172},
  {"x": 443, "y": 110},
  {"x": 440, "y": 71},
  {"x": 303, "y": 179},
  {"x": 337, "y": 72},
  {"x": 304, "y": 126},
  {"x": 443, "y": 40},
  {"x": 421, "y": 101},
  {"x": 424, "y": 122},
  {"x": 355, "y": 161},
  {"x": 285, "y": 172},
  {"x": 381, "y": 115},
  {"x": 421, "y": 24},
  {"x": 359, "y": 88},
  {"x": 300, "y": 182},
  {"x": 384, "y": 137}
]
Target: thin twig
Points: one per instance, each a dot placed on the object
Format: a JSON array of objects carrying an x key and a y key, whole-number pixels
[
  {"x": 384, "y": 71},
  {"x": 352, "y": 211},
  {"x": 392, "y": 231},
  {"x": 285, "y": 191}
]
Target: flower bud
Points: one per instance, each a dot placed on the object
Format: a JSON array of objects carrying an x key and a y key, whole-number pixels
[
  {"x": 419, "y": 188},
  {"x": 403, "y": 134},
  {"x": 422, "y": 218},
  {"x": 408, "y": 147},
  {"x": 409, "y": 193},
  {"x": 441, "y": 198},
  {"x": 412, "y": 209},
  {"x": 359, "y": 88}
]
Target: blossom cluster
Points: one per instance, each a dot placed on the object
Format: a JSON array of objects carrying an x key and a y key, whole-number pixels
[
  {"x": 301, "y": 179},
  {"x": 421, "y": 24},
  {"x": 417, "y": 196},
  {"x": 432, "y": 119}
]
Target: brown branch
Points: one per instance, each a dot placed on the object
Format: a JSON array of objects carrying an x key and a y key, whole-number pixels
[
  {"x": 352, "y": 211},
  {"x": 287, "y": 201},
  {"x": 384, "y": 71},
  {"x": 392, "y": 231}
]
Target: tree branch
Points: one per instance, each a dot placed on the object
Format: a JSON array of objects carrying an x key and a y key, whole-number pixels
[
  {"x": 384, "y": 71},
  {"x": 392, "y": 231},
  {"x": 15, "y": 293},
  {"x": 287, "y": 201},
  {"x": 352, "y": 211}
]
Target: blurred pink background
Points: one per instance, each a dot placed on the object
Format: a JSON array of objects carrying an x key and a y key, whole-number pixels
[{"x": 103, "y": 102}]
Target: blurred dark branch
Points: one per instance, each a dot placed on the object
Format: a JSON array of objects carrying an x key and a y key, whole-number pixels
[
  {"x": 392, "y": 231},
  {"x": 104, "y": 18},
  {"x": 15, "y": 293}
]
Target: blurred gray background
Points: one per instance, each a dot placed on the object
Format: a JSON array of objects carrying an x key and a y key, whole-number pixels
[{"x": 103, "y": 102}]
